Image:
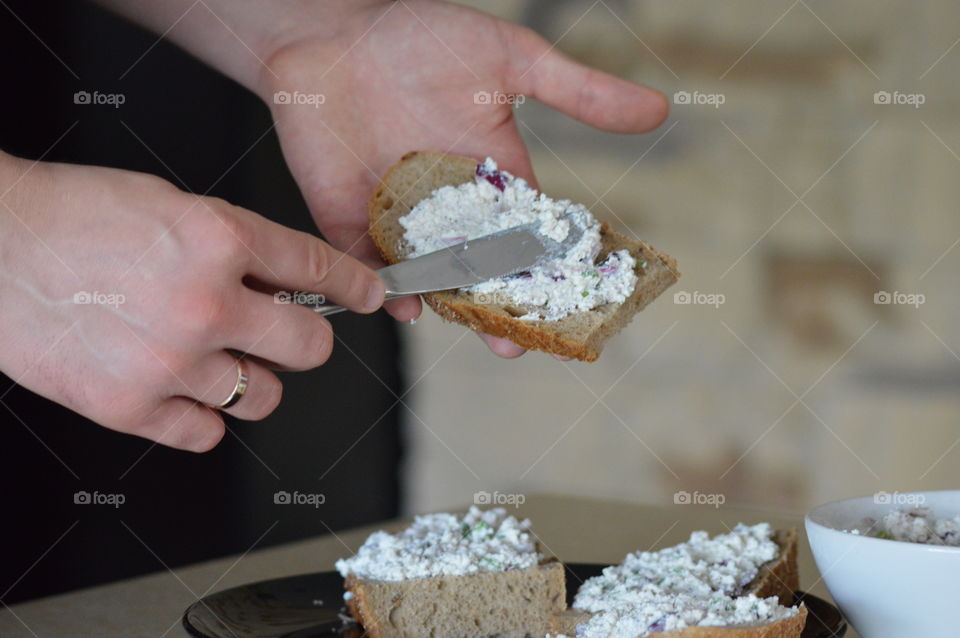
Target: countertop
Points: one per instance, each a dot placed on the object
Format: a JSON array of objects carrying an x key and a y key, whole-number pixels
[{"x": 572, "y": 528}]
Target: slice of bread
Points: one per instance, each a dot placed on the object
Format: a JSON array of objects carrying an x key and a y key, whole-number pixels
[
  {"x": 580, "y": 335},
  {"x": 780, "y": 578},
  {"x": 514, "y": 603}
]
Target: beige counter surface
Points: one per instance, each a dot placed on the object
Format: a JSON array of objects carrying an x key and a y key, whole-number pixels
[{"x": 573, "y": 529}]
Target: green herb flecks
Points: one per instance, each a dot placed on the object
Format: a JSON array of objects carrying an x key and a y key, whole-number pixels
[{"x": 490, "y": 562}]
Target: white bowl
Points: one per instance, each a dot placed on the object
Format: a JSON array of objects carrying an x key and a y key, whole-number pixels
[{"x": 886, "y": 588}]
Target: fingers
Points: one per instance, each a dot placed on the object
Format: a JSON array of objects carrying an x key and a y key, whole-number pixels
[
  {"x": 183, "y": 424},
  {"x": 355, "y": 240},
  {"x": 214, "y": 379},
  {"x": 591, "y": 96},
  {"x": 294, "y": 260},
  {"x": 406, "y": 309},
  {"x": 501, "y": 347},
  {"x": 291, "y": 336}
]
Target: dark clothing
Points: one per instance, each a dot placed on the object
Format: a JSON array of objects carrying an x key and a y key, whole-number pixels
[{"x": 183, "y": 507}]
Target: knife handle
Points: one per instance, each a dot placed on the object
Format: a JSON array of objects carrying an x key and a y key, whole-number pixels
[{"x": 332, "y": 309}]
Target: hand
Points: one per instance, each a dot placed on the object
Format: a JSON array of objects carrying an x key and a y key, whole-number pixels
[
  {"x": 401, "y": 76},
  {"x": 122, "y": 296}
]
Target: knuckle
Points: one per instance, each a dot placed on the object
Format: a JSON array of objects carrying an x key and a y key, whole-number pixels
[
  {"x": 221, "y": 234},
  {"x": 201, "y": 313},
  {"x": 154, "y": 422},
  {"x": 154, "y": 184},
  {"x": 171, "y": 364},
  {"x": 317, "y": 344},
  {"x": 360, "y": 283},
  {"x": 318, "y": 261}
]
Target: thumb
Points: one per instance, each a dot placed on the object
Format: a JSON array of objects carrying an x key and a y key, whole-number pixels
[{"x": 595, "y": 98}]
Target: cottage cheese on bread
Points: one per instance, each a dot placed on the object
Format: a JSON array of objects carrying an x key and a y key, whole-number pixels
[
  {"x": 446, "y": 545},
  {"x": 697, "y": 583},
  {"x": 495, "y": 201}
]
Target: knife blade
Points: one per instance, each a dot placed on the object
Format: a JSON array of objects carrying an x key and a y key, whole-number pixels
[{"x": 499, "y": 254}]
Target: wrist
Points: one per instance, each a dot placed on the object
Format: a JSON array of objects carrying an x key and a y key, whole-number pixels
[{"x": 13, "y": 171}]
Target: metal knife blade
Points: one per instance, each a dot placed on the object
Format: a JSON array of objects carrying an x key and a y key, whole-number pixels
[
  {"x": 496, "y": 255},
  {"x": 471, "y": 262}
]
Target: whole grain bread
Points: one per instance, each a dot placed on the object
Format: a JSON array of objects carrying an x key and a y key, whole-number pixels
[
  {"x": 514, "y": 603},
  {"x": 779, "y": 577},
  {"x": 580, "y": 335}
]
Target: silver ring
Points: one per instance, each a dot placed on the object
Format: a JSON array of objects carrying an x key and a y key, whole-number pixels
[{"x": 238, "y": 390}]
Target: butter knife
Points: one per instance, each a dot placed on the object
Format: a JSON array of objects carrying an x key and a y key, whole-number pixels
[{"x": 500, "y": 254}]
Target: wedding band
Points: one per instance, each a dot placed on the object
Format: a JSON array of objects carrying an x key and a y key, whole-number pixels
[{"x": 238, "y": 389}]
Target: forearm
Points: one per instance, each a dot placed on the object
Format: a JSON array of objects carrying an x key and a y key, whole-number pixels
[{"x": 236, "y": 37}]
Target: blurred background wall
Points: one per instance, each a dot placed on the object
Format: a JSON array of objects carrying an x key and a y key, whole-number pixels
[{"x": 788, "y": 189}]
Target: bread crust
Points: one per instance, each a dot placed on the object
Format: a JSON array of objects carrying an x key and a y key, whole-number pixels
[
  {"x": 781, "y": 577},
  {"x": 579, "y": 336}
]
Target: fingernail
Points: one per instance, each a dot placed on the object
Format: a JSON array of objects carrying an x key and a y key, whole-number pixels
[{"x": 374, "y": 295}]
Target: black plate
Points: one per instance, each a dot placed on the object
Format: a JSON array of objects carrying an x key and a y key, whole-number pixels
[{"x": 310, "y": 606}]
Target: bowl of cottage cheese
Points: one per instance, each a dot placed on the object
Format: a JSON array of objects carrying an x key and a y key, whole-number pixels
[{"x": 892, "y": 561}]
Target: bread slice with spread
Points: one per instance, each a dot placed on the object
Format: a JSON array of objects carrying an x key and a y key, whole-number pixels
[
  {"x": 568, "y": 308},
  {"x": 736, "y": 585},
  {"x": 466, "y": 576}
]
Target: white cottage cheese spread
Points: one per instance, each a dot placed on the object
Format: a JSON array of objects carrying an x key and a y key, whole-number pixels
[
  {"x": 446, "y": 545},
  {"x": 495, "y": 201},
  {"x": 914, "y": 526},
  {"x": 697, "y": 583}
]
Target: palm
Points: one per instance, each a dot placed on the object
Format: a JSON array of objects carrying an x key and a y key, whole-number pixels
[
  {"x": 404, "y": 78},
  {"x": 381, "y": 103}
]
